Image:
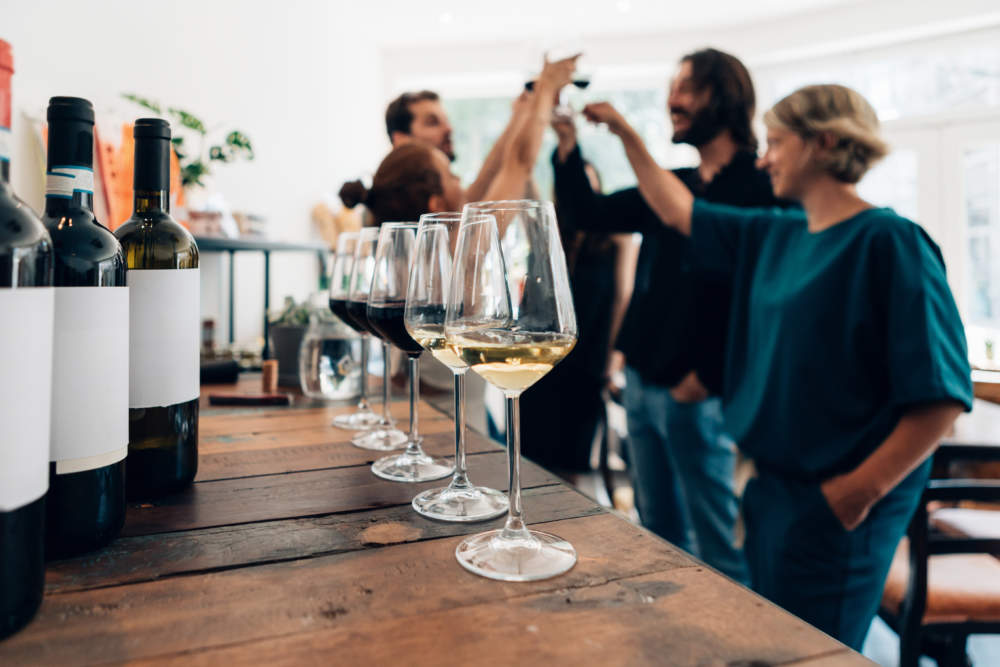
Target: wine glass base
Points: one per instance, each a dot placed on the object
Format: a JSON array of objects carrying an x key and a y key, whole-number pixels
[
  {"x": 380, "y": 440},
  {"x": 491, "y": 556},
  {"x": 412, "y": 468},
  {"x": 474, "y": 503},
  {"x": 357, "y": 421}
]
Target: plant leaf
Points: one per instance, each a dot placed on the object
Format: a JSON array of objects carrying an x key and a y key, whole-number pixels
[{"x": 143, "y": 102}]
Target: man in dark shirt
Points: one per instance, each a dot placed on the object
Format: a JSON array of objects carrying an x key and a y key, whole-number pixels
[{"x": 674, "y": 331}]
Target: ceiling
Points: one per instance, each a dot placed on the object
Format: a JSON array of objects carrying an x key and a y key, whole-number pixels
[{"x": 558, "y": 22}]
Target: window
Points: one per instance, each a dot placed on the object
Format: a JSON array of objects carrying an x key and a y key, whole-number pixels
[{"x": 478, "y": 121}]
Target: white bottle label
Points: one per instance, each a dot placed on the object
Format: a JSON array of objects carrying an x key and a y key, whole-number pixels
[
  {"x": 25, "y": 394},
  {"x": 164, "y": 342},
  {"x": 89, "y": 378},
  {"x": 5, "y": 144},
  {"x": 62, "y": 182}
]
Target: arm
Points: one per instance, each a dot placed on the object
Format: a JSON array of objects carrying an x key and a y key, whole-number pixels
[
  {"x": 491, "y": 166},
  {"x": 522, "y": 151},
  {"x": 852, "y": 495},
  {"x": 663, "y": 191},
  {"x": 627, "y": 254}
]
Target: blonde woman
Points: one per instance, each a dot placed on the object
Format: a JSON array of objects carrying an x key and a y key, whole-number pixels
[{"x": 846, "y": 360}]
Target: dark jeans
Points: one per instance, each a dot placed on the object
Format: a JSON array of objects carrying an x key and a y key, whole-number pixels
[
  {"x": 682, "y": 471},
  {"x": 803, "y": 559}
]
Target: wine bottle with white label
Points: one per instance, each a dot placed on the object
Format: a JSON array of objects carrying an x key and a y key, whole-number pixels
[
  {"x": 85, "y": 508},
  {"x": 26, "y": 299},
  {"x": 164, "y": 314}
]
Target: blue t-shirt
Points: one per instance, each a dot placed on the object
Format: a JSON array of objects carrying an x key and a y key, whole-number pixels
[{"x": 833, "y": 334}]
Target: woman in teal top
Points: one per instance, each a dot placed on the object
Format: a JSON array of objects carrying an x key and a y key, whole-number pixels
[{"x": 846, "y": 360}]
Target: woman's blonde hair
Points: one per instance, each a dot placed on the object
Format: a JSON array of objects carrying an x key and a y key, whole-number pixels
[{"x": 840, "y": 112}]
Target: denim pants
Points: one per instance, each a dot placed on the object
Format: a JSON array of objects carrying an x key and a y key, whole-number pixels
[
  {"x": 801, "y": 557},
  {"x": 682, "y": 465}
]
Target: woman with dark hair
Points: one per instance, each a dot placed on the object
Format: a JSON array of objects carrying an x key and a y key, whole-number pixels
[
  {"x": 846, "y": 360},
  {"x": 413, "y": 179}
]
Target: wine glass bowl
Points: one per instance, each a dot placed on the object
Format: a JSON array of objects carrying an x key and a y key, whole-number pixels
[{"x": 510, "y": 318}]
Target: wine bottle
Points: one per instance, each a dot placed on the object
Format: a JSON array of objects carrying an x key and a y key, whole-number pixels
[
  {"x": 164, "y": 312},
  {"x": 85, "y": 508},
  {"x": 26, "y": 306}
]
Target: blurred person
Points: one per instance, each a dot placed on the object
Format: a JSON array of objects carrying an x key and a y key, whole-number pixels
[
  {"x": 421, "y": 117},
  {"x": 673, "y": 336},
  {"x": 846, "y": 361},
  {"x": 559, "y": 423},
  {"x": 416, "y": 178}
]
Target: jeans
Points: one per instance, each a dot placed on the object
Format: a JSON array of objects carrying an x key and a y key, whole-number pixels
[
  {"x": 803, "y": 559},
  {"x": 682, "y": 466}
]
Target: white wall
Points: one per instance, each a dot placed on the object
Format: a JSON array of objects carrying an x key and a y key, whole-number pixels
[{"x": 296, "y": 76}]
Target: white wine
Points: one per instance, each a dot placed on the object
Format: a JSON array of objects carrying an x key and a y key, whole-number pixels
[
  {"x": 431, "y": 338},
  {"x": 510, "y": 360}
]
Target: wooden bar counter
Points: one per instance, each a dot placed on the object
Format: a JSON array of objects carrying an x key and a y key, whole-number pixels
[{"x": 288, "y": 550}]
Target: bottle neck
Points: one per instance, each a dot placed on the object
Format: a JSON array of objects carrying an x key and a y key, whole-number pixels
[
  {"x": 5, "y": 172},
  {"x": 151, "y": 175},
  {"x": 59, "y": 205},
  {"x": 67, "y": 188},
  {"x": 148, "y": 202}
]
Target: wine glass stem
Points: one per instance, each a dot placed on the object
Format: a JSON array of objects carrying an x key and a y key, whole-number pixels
[
  {"x": 413, "y": 446},
  {"x": 514, "y": 528},
  {"x": 386, "y": 364},
  {"x": 363, "y": 401},
  {"x": 460, "y": 480}
]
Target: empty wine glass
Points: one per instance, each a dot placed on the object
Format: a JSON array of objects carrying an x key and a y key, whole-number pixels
[
  {"x": 510, "y": 318},
  {"x": 386, "y": 303},
  {"x": 426, "y": 300},
  {"x": 380, "y": 436},
  {"x": 340, "y": 284}
]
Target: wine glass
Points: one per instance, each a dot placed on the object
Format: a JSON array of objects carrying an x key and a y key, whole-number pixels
[
  {"x": 426, "y": 299},
  {"x": 380, "y": 436},
  {"x": 510, "y": 318},
  {"x": 386, "y": 303},
  {"x": 340, "y": 282}
]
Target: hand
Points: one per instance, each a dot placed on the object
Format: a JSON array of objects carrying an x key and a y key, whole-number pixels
[
  {"x": 689, "y": 390},
  {"x": 565, "y": 134},
  {"x": 616, "y": 364},
  {"x": 556, "y": 74},
  {"x": 603, "y": 112},
  {"x": 849, "y": 501}
]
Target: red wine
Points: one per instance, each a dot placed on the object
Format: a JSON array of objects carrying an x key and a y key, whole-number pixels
[
  {"x": 358, "y": 311},
  {"x": 339, "y": 308},
  {"x": 26, "y": 301},
  {"x": 579, "y": 83},
  {"x": 388, "y": 320},
  {"x": 164, "y": 326},
  {"x": 85, "y": 508}
]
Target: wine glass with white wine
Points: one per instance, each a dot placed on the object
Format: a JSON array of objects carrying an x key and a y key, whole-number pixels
[
  {"x": 426, "y": 301},
  {"x": 510, "y": 318}
]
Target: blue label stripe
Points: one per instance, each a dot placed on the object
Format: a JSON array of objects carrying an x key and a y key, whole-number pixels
[
  {"x": 68, "y": 166},
  {"x": 89, "y": 192},
  {"x": 48, "y": 196}
]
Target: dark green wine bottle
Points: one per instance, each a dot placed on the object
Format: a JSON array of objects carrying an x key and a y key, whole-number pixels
[
  {"x": 26, "y": 299},
  {"x": 164, "y": 313},
  {"x": 85, "y": 507}
]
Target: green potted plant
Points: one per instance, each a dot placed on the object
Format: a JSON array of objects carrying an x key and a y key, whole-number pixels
[{"x": 286, "y": 330}]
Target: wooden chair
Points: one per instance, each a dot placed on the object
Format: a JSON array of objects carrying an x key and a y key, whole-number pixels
[{"x": 944, "y": 585}]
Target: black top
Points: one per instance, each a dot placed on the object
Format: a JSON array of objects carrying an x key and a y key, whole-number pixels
[{"x": 678, "y": 317}]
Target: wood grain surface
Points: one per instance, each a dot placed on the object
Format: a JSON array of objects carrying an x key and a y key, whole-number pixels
[{"x": 287, "y": 550}]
